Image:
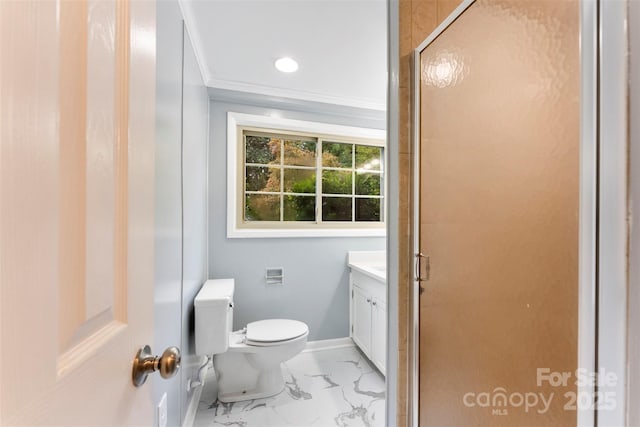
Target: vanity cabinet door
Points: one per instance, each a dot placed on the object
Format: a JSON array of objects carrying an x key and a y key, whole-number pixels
[
  {"x": 362, "y": 319},
  {"x": 379, "y": 334}
]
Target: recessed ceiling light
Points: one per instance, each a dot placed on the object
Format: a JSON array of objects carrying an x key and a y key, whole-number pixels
[{"x": 286, "y": 65}]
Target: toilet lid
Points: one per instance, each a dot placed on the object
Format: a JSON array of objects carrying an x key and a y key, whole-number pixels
[{"x": 274, "y": 330}]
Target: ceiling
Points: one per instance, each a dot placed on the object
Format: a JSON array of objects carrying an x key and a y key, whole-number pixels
[{"x": 340, "y": 45}]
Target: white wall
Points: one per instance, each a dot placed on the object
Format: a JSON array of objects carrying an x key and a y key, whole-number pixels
[
  {"x": 316, "y": 286},
  {"x": 168, "y": 213}
]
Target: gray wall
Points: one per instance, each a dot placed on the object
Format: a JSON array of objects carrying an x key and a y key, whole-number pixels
[
  {"x": 195, "y": 132},
  {"x": 182, "y": 105},
  {"x": 316, "y": 285}
]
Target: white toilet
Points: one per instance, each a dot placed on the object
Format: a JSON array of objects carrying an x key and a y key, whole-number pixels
[{"x": 247, "y": 362}]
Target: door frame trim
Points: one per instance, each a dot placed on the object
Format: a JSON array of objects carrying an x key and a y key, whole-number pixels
[
  {"x": 588, "y": 201},
  {"x": 633, "y": 390},
  {"x": 588, "y": 215},
  {"x": 613, "y": 231}
]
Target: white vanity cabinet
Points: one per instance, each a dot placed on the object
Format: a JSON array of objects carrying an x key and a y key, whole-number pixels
[{"x": 369, "y": 316}]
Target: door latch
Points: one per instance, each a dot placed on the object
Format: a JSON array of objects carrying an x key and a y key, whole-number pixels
[
  {"x": 145, "y": 363},
  {"x": 420, "y": 269}
]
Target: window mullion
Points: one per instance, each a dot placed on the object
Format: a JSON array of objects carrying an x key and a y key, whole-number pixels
[
  {"x": 319, "y": 181},
  {"x": 281, "y": 179},
  {"x": 244, "y": 179},
  {"x": 353, "y": 183},
  {"x": 383, "y": 184}
]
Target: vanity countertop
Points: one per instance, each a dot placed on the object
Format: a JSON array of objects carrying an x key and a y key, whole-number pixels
[{"x": 370, "y": 263}]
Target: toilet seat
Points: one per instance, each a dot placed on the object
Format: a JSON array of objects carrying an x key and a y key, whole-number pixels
[{"x": 273, "y": 332}]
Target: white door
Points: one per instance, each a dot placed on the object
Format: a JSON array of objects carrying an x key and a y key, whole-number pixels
[
  {"x": 362, "y": 319},
  {"x": 379, "y": 334},
  {"x": 76, "y": 210}
]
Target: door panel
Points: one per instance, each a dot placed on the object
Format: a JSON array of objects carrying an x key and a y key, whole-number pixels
[
  {"x": 499, "y": 170},
  {"x": 379, "y": 334},
  {"x": 91, "y": 266},
  {"x": 362, "y": 319},
  {"x": 76, "y": 244}
]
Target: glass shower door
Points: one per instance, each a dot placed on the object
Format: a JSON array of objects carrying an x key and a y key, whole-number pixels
[{"x": 499, "y": 123}]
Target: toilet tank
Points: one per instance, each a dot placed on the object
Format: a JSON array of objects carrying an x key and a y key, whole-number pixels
[{"x": 213, "y": 316}]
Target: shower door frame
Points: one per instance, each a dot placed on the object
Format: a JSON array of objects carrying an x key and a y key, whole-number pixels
[
  {"x": 603, "y": 185},
  {"x": 634, "y": 208}
]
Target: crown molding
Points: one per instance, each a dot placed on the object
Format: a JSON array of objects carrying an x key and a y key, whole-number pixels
[
  {"x": 295, "y": 94},
  {"x": 192, "y": 29}
]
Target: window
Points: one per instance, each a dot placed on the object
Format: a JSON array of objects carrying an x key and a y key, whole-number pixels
[{"x": 304, "y": 178}]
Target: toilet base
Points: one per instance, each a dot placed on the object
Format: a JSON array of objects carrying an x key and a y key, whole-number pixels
[{"x": 238, "y": 380}]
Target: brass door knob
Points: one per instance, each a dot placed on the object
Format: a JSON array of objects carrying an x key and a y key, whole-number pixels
[{"x": 146, "y": 363}]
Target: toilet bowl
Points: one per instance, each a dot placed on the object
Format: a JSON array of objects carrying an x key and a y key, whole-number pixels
[
  {"x": 251, "y": 368},
  {"x": 247, "y": 362}
]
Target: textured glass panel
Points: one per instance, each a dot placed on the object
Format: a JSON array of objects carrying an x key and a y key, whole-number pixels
[
  {"x": 336, "y": 182},
  {"x": 299, "y": 208},
  {"x": 262, "y": 149},
  {"x": 299, "y": 180},
  {"x": 299, "y": 153},
  {"x": 337, "y": 155},
  {"x": 368, "y": 184},
  {"x": 499, "y": 182},
  {"x": 262, "y": 179},
  {"x": 368, "y": 209},
  {"x": 262, "y": 207},
  {"x": 368, "y": 157},
  {"x": 336, "y": 209}
]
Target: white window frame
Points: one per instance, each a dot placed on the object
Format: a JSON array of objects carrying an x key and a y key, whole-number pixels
[{"x": 235, "y": 193}]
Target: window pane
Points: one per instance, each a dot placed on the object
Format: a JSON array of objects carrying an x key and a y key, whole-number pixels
[
  {"x": 261, "y": 207},
  {"x": 336, "y": 208},
  {"x": 262, "y": 179},
  {"x": 368, "y": 209},
  {"x": 336, "y": 182},
  {"x": 368, "y": 184},
  {"x": 299, "y": 180},
  {"x": 299, "y": 153},
  {"x": 368, "y": 157},
  {"x": 337, "y": 155},
  {"x": 299, "y": 208},
  {"x": 262, "y": 150}
]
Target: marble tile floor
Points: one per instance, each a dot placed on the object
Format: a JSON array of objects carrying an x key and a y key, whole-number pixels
[{"x": 337, "y": 387}]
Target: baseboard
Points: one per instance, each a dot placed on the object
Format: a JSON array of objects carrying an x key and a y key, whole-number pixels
[
  {"x": 328, "y": 344},
  {"x": 192, "y": 407}
]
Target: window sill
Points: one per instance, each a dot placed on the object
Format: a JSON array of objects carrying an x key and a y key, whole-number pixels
[{"x": 270, "y": 233}]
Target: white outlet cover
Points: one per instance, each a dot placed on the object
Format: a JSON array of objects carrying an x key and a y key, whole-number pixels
[{"x": 162, "y": 411}]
